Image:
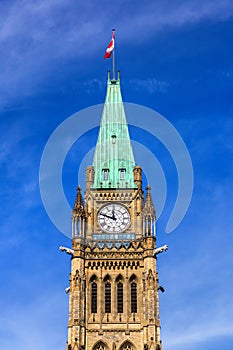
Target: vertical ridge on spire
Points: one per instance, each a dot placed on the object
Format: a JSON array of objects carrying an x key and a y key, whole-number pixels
[{"x": 113, "y": 160}]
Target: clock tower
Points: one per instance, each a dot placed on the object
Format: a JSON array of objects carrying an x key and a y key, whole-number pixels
[{"x": 113, "y": 293}]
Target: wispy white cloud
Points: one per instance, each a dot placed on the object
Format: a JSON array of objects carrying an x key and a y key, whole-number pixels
[
  {"x": 93, "y": 84},
  {"x": 197, "y": 306},
  {"x": 150, "y": 85},
  {"x": 19, "y": 174},
  {"x": 37, "y": 38},
  {"x": 183, "y": 12},
  {"x": 25, "y": 324},
  {"x": 190, "y": 337},
  {"x": 200, "y": 302}
]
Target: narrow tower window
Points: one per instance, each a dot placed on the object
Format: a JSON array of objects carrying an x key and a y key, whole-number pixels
[
  {"x": 120, "y": 298},
  {"x": 94, "y": 298},
  {"x": 133, "y": 297},
  {"x": 107, "y": 297}
]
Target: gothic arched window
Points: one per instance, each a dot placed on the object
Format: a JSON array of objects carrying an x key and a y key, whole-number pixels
[
  {"x": 94, "y": 297},
  {"x": 107, "y": 297},
  {"x": 127, "y": 346},
  {"x": 120, "y": 297},
  {"x": 100, "y": 346},
  {"x": 134, "y": 297}
]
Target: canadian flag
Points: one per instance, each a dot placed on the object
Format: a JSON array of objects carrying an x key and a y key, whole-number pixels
[{"x": 110, "y": 47}]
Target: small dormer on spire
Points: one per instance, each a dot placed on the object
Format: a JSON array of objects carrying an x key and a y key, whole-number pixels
[
  {"x": 78, "y": 215},
  {"x": 149, "y": 216}
]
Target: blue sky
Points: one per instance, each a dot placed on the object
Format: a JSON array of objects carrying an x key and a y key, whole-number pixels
[{"x": 176, "y": 57}]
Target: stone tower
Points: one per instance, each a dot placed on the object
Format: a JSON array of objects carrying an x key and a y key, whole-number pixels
[{"x": 113, "y": 301}]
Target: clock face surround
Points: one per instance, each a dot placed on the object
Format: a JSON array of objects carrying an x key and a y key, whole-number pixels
[{"x": 113, "y": 218}]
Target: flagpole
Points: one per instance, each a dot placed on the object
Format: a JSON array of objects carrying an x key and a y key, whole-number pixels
[{"x": 113, "y": 57}]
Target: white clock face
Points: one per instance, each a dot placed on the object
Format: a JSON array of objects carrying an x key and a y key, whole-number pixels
[{"x": 113, "y": 218}]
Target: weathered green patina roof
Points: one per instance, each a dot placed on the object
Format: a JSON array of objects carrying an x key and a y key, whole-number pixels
[{"x": 113, "y": 160}]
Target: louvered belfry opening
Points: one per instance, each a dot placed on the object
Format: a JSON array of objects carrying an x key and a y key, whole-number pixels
[
  {"x": 108, "y": 298},
  {"x": 94, "y": 297},
  {"x": 120, "y": 302}
]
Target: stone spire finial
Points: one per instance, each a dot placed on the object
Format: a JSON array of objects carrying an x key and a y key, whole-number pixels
[
  {"x": 149, "y": 216},
  {"x": 149, "y": 210},
  {"x": 78, "y": 205}
]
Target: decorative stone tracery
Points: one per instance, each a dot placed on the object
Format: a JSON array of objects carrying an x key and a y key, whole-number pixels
[
  {"x": 127, "y": 346},
  {"x": 100, "y": 346}
]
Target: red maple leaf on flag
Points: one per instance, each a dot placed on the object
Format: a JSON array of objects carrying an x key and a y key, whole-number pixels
[{"x": 110, "y": 47}]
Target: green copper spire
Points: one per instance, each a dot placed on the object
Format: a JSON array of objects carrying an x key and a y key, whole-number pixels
[{"x": 113, "y": 160}]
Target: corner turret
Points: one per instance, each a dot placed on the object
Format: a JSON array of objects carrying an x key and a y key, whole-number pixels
[
  {"x": 149, "y": 216},
  {"x": 78, "y": 216}
]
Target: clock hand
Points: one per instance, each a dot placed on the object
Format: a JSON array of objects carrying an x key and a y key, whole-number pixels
[
  {"x": 109, "y": 217},
  {"x": 113, "y": 215}
]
